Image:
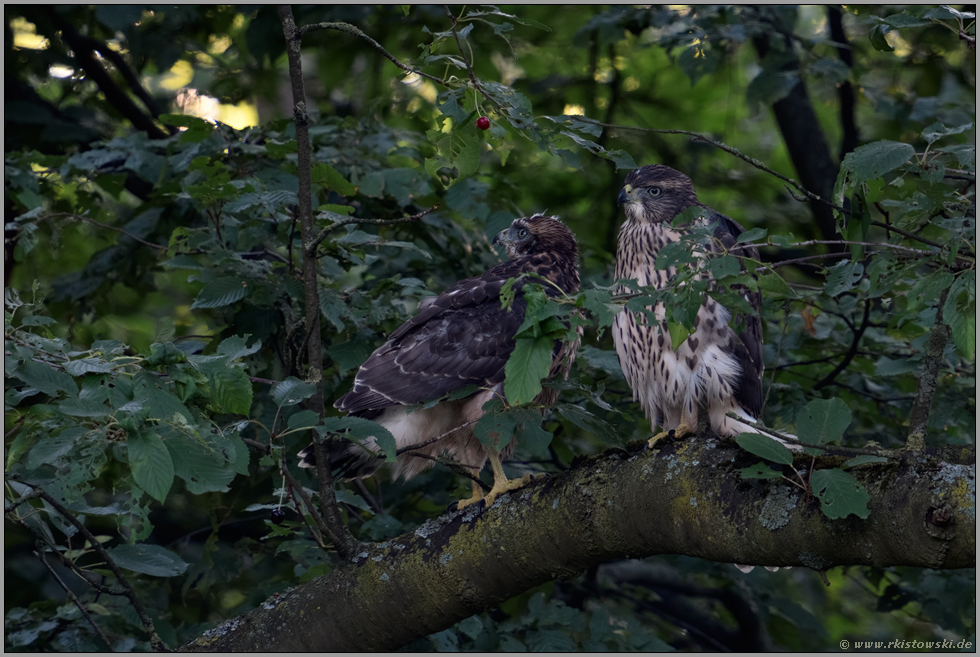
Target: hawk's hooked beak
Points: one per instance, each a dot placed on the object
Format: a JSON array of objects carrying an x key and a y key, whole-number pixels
[
  {"x": 625, "y": 195},
  {"x": 499, "y": 238}
]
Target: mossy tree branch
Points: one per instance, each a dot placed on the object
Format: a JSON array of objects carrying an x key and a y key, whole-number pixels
[{"x": 685, "y": 498}]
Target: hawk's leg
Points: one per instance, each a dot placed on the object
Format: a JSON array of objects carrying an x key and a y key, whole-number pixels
[
  {"x": 476, "y": 497},
  {"x": 681, "y": 430},
  {"x": 501, "y": 484}
]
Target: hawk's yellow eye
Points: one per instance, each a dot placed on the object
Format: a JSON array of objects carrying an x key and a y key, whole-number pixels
[{"x": 655, "y": 191}]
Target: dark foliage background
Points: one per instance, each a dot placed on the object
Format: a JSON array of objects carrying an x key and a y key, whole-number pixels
[{"x": 154, "y": 305}]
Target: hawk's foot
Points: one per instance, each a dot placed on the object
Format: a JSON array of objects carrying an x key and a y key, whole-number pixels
[
  {"x": 678, "y": 432},
  {"x": 506, "y": 485},
  {"x": 476, "y": 498}
]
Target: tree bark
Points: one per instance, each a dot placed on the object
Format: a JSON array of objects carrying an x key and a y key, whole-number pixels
[{"x": 686, "y": 498}]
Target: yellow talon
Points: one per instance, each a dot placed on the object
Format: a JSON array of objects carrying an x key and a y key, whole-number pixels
[{"x": 679, "y": 431}]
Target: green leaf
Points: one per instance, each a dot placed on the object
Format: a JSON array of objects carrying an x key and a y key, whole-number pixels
[
  {"x": 876, "y": 159},
  {"x": 51, "y": 448},
  {"x": 527, "y": 365},
  {"x": 495, "y": 429},
  {"x": 45, "y": 378},
  {"x": 325, "y": 175},
  {"x": 221, "y": 292},
  {"x": 752, "y": 235},
  {"x": 162, "y": 404},
  {"x": 678, "y": 333},
  {"x": 877, "y": 36},
  {"x": 235, "y": 348},
  {"x": 773, "y": 282},
  {"x": 148, "y": 559},
  {"x": 823, "y": 421},
  {"x": 840, "y": 494},
  {"x": 153, "y": 469},
  {"x": 204, "y": 467},
  {"x": 303, "y": 420},
  {"x": 86, "y": 365},
  {"x": 724, "y": 266},
  {"x": 291, "y": 391},
  {"x": 759, "y": 471},
  {"x": 231, "y": 390},
  {"x": 83, "y": 408},
  {"x": 766, "y": 447},
  {"x": 358, "y": 429},
  {"x": 843, "y": 276}
]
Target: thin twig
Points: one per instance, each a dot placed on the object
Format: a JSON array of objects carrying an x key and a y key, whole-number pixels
[
  {"x": 469, "y": 68},
  {"x": 294, "y": 485},
  {"x": 426, "y": 443},
  {"x": 851, "y": 353},
  {"x": 101, "y": 551},
  {"x": 350, "y": 29},
  {"x": 374, "y": 222},
  {"x": 81, "y": 217},
  {"x": 725, "y": 147},
  {"x": 455, "y": 466},
  {"x": 74, "y": 599}
]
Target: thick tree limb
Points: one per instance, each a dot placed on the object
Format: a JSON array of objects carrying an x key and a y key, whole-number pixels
[{"x": 685, "y": 498}]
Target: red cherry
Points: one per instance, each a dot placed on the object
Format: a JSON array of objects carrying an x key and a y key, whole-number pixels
[{"x": 483, "y": 123}]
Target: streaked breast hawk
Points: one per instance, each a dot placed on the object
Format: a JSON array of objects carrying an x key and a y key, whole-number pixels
[
  {"x": 462, "y": 337},
  {"x": 715, "y": 367}
]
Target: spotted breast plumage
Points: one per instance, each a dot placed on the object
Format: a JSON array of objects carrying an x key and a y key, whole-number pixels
[
  {"x": 462, "y": 337},
  {"x": 715, "y": 368}
]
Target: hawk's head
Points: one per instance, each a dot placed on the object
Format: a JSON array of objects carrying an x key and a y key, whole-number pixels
[
  {"x": 656, "y": 194},
  {"x": 538, "y": 234}
]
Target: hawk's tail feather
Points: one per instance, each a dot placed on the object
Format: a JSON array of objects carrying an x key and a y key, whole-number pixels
[
  {"x": 347, "y": 461},
  {"x": 733, "y": 427}
]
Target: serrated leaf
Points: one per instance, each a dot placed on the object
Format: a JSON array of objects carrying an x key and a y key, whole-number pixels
[
  {"x": 678, "y": 333},
  {"x": 303, "y": 419},
  {"x": 843, "y": 276},
  {"x": 221, "y": 292},
  {"x": 204, "y": 468},
  {"x": 83, "y": 408},
  {"x": 752, "y": 235},
  {"x": 162, "y": 404},
  {"x": 231, "y": 390},
  {"x": 291, "y": 391},
  {"x": 528, "y": 364},
  {"x": 773, "y": 282},
  {"x": 759, "y": 471},
  {"x": 51, "y": 448},
  {"x": 876, "y": 159},
  {"x": 358, "y": 429},
  {"x": 153, "y": 469},
  {"x": 326, "y": 175},
  {"x": 348, "y": 497},
  {"x": 86, "y": 365},
  {"x": 724, "y": 266},
  {"x": 45, "y": 378},
  {"x": 148, "y": 559},
  {"x": 234, "y": 347},
  {"x": 495, "y": 429},
  {"x": 822, "y": 421},
  {"x": 840, "y": 494},
  {"x": 766, "y": 447}
]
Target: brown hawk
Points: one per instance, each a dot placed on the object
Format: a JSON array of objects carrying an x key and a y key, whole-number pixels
[
  {"x": 462, "y": 337},
  {"x": 715, "y": 367}
]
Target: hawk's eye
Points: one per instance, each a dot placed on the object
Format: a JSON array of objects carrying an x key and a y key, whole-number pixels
[
  {"x": 655, "y": 191},
  {"x": 522, "y": 233}
]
